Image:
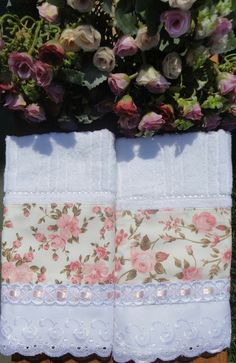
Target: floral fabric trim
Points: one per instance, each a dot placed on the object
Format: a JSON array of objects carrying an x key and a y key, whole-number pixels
[
  {"x": 54, "y": 244},
  {"x": 172, "y": 245}
]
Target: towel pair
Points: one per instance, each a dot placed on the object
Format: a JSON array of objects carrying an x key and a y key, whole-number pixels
[{"x": 125, "y": 251}]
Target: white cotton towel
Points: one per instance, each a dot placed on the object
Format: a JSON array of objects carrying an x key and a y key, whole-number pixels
[
  {"x": 60, "y": 167},
  {"x": 190, "y": 170}
]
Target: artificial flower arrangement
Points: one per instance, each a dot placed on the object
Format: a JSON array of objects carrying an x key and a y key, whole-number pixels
[{"x": 146, "y": 63}]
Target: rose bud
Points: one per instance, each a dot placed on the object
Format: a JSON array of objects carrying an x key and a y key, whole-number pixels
[
  {"x": 83, "y": 6},
  {"x": 87, "y": 38},
  {"x": 68, "y": 40},
  {"x": 150, "y": 78},
  {"x": 104, "y": 59},
  {"x": 125, "y": 46},
  {"x": 34, "y": 113},
  {"x": 126, "y": 106},
  {"x": 51, "y": 53},
  {"x": 55, "y": 92},
  {"x": 193, "y": 112},
  {"x": 43, "y": 73},
  {"x": 6, "y": 87},
  {"x": 177, "y": 22},
  {"x": 15, "y": 102},
  {"x": 172, "y": 65},
  {"x": 21, "y": 64},
  {"x": 226, "y": 83},
  {"x": 2, "y": 44},
  {"x": 145, "y": 41},
  {"x": 181, "y": 4},
  {"x": 118, "y": 83},
  {"x": 48, "y": 12},
  {"x": 167, "y": 113},
  {"x": 151, "y": 122},
  {"x": 129, "y": 122}
]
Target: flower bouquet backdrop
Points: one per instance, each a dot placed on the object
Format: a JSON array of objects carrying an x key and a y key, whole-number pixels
[{"x": 152, "y": 66}]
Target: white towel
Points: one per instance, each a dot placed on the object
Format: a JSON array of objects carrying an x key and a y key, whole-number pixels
[{"x": 173, "y": 246}]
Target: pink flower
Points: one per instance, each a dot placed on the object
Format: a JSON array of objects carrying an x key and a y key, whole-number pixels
[
  {"x": 96, "y": 209},
  {"x": 7, "y": 269},
  {"x": 192, "y": 273},
  {"x": 69, "y": 226},
  {"x": 150, "y": 78},
  {"x": 28, "y": 257},
  {"x": 17, "y": 257},
  {"x": 15, "y": 102},
  {"x": 204, "y": 222},
  {"x": 75, "y": 279},
  {"x": 227, "y": 83},
  {"x": 43, "y": 73},
  {"x": 109, "y": 211},
  {"x": 102, "y": 232},
  {"x": 195, "y": 113},
  {"x": 34, "y": 113},
  {"x": 26, "y": 213},
  {"x": 142, "y": 261},
  {"x": 151, "y": 122},
  {"x": 46, "y": 247},
  {"x": 55, "y": 257},
  {"x": 219, "y": 37},
  {"x": 161, "y": 256},
  {"x": 126, "y": 106},
  {"x": 55, "y": 92},
  {"x": 101, "y": 252},
  {"x": 40, "y": 237},
  {"x": 125, "y": 47},
  {"x": 189, "y": 250},
  {"x": 108, "y": 224},
  {"x": 2, "y": 44},
  {"x": 96, "y": 272},
  {"x": 41, "y": 278},
  {"x": 74, "y": 266},
  {"x": 57, "y": 241},
  {"x": 118, "y": 83},
  {"x": 226, "y": 256},
  {"x": 48, "y": 12},
  {"x": 17, "y": 243},
  {"x": 21, "y": 273},
  {"x": 8, "y": 224},
  {"x": 21, "y": 64},
  {"x": 177, "y": 22},
  {"x": 120, "y": 237},
  {"x": 53, "y": 205},
  {"x": 118, "y": 265},
  {"x": 216, "y": 240}
]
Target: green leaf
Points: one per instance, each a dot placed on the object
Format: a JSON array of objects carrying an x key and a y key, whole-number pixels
[
  {"x": 145, "y": 243},
  {"x": 159, "y": 268},
  {"x": 131, "y": 275},
  {"x": 71, "y": 76},
  {"x": 59, "y": 3},
  {"x": 183, "y": 124},
  {"x": 93, "y": 77},
  {"x": 125, "y": 17},
  {"x": 186, "y": 264},
  {"x": 34, "y": 268},
  {"x": 178, "y": 262},
  {"x": 86, "y": 118},
  {"x": 152, "y": 17},
  {"x": 107, "y": 6},
  {"x": 126, "y": 6},
  {"x": 214, "y": 102}
]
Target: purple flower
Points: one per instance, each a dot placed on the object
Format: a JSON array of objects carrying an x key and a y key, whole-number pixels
[
  {"x": 194, "y": 113},
  {"x": 15, "y": 102},
  {"x": 219, "y": 37},
  {"x": 2, "y": 44},
  {"x": 151, "y": 122},
  {"x": 150, "y": 78},
  {"x": 55, "y": 92},
  {"x": 212, "y": 121},
  {"x": 125, "y": 47},
  {"x": 227, "y": 83},
  {"x": 177, "y": 22},
  {"x": 21, "y": 64},
  {"x": 34, "y": 113},
  {"x": 118, "y": 82},
  {"x": 43, "y": 73}
]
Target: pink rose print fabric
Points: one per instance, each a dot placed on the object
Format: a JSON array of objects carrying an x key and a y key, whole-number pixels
[
  {"x": 54, "y": 244},
  {"x": 169, "y": 245}
]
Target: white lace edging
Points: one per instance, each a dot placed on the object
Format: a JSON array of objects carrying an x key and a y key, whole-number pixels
[{"x": 125, "y": 294}]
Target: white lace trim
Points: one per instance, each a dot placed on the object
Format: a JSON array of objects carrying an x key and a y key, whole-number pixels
[{"x": 146, "y": 294}]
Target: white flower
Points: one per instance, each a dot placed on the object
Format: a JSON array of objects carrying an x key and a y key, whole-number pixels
[
  {"x": 84, "y": 6},
  {"x": 181, "y": 4},
  {"x": 104, "y": 59},
  {"x": 172, "y": 65},
  {"x": 87, "y": 38},
  {"x": 144, "y": 41},
  {"x": 68, "y": 40}
]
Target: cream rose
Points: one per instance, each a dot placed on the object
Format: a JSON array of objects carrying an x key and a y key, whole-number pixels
[
  {"x": 84, "y": 6},
  {"x": 172, "y": 65},
  {"x": 181, "y": 4},
  {"x": 104, "y": 59},
  {"x": 144, "y": 41},
  {"x": 68, "y": 40},
  {"x": 87, "y": 38}
]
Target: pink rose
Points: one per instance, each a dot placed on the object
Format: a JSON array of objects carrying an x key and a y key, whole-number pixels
[
  {"x": 57, "y": 241},
  {"x": 74, "y": 266},
  {"x": 109, "y": 211},
  {"x": 15, "y": 102},
  {"x": 226, "y": 256},
  {"x": 41, "y": 278},
  {"x": 40, "y": 237},
  {"x": 75, "y": 279},
  {"x": 48, "y": 12},
  {"x": 108, "y": 224},
  {"x": 216, "y": 240},
  {"x": 120, "y": 237},
  {"x": 151, "y": 79},
  {"x": 17, "y": 243},
  {"x": 118, "y": 83},
  {"x": 21, "y": 64},
  {"x": 43, "y": 73},
  {"x": 96, "y": 209},
  {"x": 189, "y": 250},
  {"x": 53, "y": 205},
  {"x": 28, "y": 257},
  {"x": 177, "y": 22},
  {"x": 142, "y": 261},
  {"x": 125, "y": 47},
  {"x": 118, "y": 265},
  {"x": 17, "y": 257},
  {"x": 46, "y": 247},
  {"x": 34, "y": 113},
  {"x": 69, "y": 226},
  {"x": 7, "y": 269},
  {"x": 227, "y": 83},
  {"x": 8, "y": 224},
  {"x": 22, "y": 274},
  {"x": 194, "y": 113},
  {"x": 55, "y": 92},
  {"x": 204, "y": 222},
  {"x": 101, "y": 252},
  {"x": 96, "y": 272},
  {"x": 219, "y": 37},
  {"x": 151, "y": 122},
  {"x": 161, "y": 256},
  {"x": 192, "y": 273}
]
